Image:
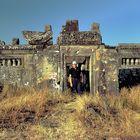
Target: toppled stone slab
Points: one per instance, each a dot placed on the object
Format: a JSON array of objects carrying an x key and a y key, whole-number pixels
[{"x": 38, "y": 38}]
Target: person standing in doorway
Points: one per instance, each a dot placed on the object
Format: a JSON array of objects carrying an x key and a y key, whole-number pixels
[{"x": 74, "y": 78}]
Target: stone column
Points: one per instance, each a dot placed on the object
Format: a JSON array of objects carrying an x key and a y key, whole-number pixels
[
  {"x": 14, "y": 63},
  {"x": 127, "y": 61},
  {"x": 8, "y": 62},
  {"x": 132, "y": 61},
  {"x": 3, "y": 62},
  {"x": 136, "y": 61},
  {"x": 18, "y": 62},
  {"x": 123, "y": 61}
]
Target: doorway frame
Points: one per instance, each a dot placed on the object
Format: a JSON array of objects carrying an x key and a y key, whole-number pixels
[{"x": 92, "y": 72}]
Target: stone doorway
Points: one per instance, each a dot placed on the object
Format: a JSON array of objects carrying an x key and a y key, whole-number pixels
[
  {"x": 80, "y": 54},
  {"x": 65, "y": 65},
  {"x": 83, "y": 62}
]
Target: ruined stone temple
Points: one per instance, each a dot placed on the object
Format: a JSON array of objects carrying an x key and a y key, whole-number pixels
[{"x": 42, "y": 63}]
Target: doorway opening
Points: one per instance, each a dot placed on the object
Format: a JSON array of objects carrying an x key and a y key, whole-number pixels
[
  {"x": 129, "y": 78},
  {"x": 83, "y": 65}
]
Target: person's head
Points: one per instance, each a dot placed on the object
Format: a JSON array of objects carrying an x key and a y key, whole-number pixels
[{"x": 74, "y": 64}]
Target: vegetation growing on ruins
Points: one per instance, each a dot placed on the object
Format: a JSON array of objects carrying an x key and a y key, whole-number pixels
[{"x": 43, "y": 115}]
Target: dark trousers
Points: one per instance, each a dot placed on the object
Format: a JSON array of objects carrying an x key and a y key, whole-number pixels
[
  {"x": 83, "y": 87},
  {"x": 76, "y": 87}
]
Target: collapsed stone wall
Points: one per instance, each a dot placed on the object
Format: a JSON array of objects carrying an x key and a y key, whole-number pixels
[
  {"x": 42, "y": 64},
  {"x": 33, "y": 64},
  {"x": 70, "y": 35},
  {"x": 28, "y": 68}
]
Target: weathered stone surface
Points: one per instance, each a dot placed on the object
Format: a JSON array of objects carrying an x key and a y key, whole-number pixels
[
  {"x": 48, "y": 28},
  {"x": 95, "y": 28},
  {"x": 110, "y": 62},
  {"x": 71, "y": 35},
  {"x": 21, "y": 47},
  {"x": 42, "y": 64},
  {"x": 79, "y": 38},
  {"x": 2, "y": 43},
  {"x": 15, "y": 41},
  {"x": 71, "y": 25},
  {"x": 38, "y": 38}
]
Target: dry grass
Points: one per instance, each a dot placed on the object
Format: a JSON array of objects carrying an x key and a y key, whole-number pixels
[{"x": 48, "y": 115}]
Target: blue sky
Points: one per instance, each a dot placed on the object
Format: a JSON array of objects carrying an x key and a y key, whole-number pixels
[{"x": 119, "y": 19}]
